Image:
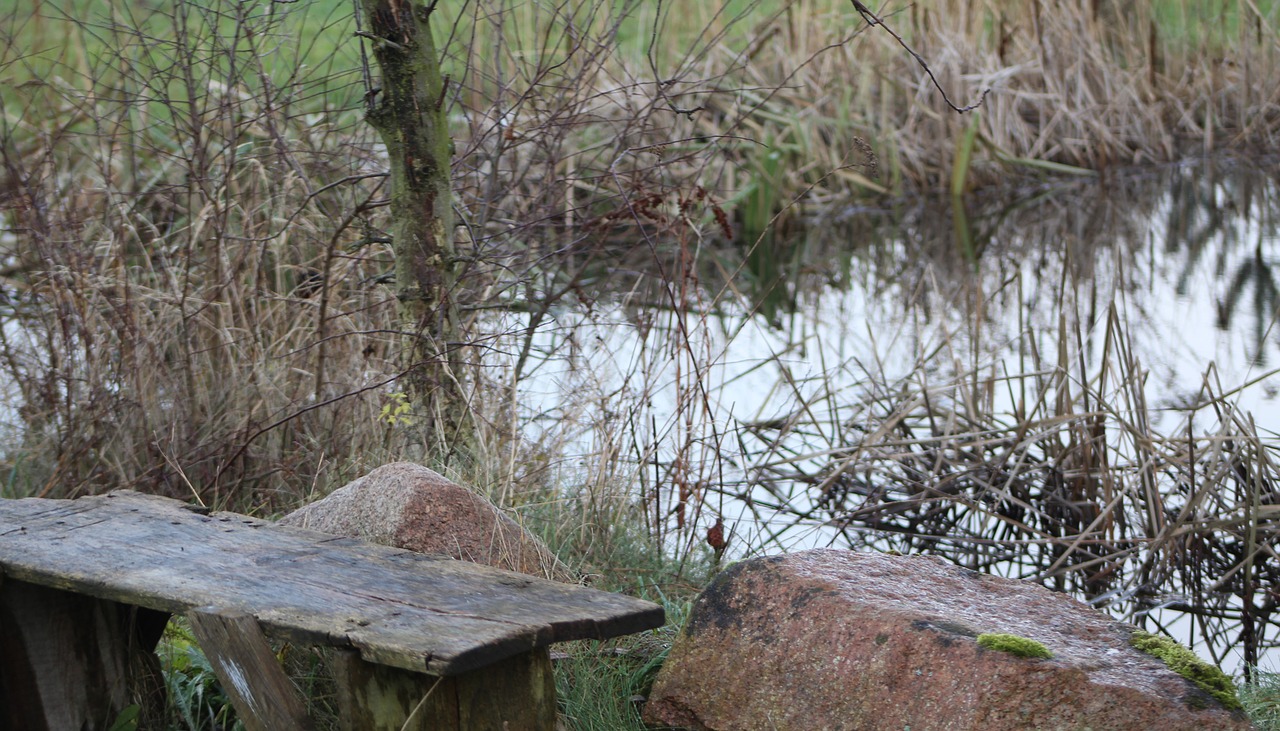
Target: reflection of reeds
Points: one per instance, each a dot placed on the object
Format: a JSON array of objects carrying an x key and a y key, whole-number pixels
[{"x": 1039, "y": 458}]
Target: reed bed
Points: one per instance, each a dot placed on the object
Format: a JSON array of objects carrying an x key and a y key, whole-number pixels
[{"x": 768, "y": 105}]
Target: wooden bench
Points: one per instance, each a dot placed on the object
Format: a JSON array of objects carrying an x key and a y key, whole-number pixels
[{"x": 422, "y": 641}]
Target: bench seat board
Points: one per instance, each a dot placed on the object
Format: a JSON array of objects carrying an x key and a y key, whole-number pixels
[{"x": 397, "y": 608}]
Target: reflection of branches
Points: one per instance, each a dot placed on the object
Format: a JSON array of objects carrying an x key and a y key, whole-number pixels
[
  {"x": 1188, "y": 198},
  {"x": 1257, "y": 272}
]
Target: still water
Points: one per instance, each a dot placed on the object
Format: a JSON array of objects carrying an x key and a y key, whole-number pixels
[
  {"x": 1179, "y": 262},
  {"x": 756, "y": 384}
]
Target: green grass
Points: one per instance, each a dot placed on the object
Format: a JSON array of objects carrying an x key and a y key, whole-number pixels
[
  {"x": 176, "y": 53},
  {"x": 601, "y": 686},
  {"x": 196, "y": 702},
  {"x": 1261, "y": 699},
  {"x": 1211, "y": 25},
  {"x": 599, "y": 683}
]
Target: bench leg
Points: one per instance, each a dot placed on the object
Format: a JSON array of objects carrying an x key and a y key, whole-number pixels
[
  {"x": 68, "y": 661},
  {"x": 517, "y": 694},
  {"x": 263, "y": 695}
]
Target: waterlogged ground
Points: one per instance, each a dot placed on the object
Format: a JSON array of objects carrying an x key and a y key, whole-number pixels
[{"x": 1156, "y": 288}]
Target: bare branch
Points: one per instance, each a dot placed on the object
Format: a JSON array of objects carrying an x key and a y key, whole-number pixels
[{"x": 873, "y": 19}]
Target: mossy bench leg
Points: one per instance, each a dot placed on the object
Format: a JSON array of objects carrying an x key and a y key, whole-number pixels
[
  {"x": 69, "y": 661},
  {"x": 517, "y": 694}
]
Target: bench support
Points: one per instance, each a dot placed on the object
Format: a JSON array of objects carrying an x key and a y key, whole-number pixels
[
  {"x": 516, "y": 694},
  {"x": 251, "y": 676},
  {"x": 69, "y": 661}
]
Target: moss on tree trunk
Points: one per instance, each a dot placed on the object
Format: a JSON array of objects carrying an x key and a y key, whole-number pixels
[{"x": 410, "y": 114}]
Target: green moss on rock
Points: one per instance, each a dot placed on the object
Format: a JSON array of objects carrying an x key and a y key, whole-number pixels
[
  {"x": 1184, "y": 662},
  {"x": 1014, "y": 645}
]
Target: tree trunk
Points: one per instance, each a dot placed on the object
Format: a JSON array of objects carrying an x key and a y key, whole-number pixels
[{"x": 409, "y": 113}]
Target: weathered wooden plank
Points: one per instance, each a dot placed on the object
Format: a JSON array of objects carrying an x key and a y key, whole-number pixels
[
  {"x": 69, "y": 661},
  {"x": 411, "y": 611},
  {"x": 264, "y": 697},
  {"x": 515, "y": 694}
]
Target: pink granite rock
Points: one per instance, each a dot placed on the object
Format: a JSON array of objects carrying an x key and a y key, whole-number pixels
[
  {"x": 409, "y": 506},
  {"x": 832, "y": 639}
]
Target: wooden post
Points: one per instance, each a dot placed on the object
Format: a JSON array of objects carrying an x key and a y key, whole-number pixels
[
  {"x": 263, "y": 695},
  {"x": 69, "y": 661},
  {"x": 516, "y": 694}
]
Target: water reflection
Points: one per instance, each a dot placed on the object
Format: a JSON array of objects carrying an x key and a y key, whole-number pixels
[
  {"x": 1188, "y": 253},
  {"x": 1067, "y": 384}
]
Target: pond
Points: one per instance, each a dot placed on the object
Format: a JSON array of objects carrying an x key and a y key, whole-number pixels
[{"x": 1071, "y": 382}]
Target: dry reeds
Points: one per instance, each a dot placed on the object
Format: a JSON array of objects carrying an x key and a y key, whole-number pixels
[
  {"x": 188, "y": 266},
  {"x": 1085, "y": 85},
  {"x": 768, "y": 105}
]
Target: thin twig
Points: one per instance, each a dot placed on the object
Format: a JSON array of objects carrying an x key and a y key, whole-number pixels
[{"x": 873, "y": 19}]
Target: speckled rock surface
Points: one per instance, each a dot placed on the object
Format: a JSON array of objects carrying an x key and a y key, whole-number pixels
[
  {"x": 409, "y": 506},
  {"x": 831, "y": 639}
]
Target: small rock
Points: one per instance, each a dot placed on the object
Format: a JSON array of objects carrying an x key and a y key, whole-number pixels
[
  {"x": 832, "y": 639},
  {"x": 409, "y": 506}
]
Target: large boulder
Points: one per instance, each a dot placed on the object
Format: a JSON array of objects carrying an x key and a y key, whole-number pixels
[
  {"x": 409, "y": 506},
  {"x": 832, "y": 639}
]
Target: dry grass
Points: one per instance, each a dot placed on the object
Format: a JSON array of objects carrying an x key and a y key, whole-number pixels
[{"x": 188, "y": 270}]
